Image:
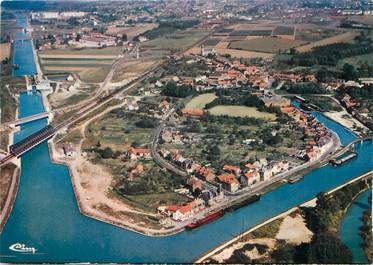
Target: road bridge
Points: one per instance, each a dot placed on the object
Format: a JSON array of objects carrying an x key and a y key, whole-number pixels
[{"x": 27, "y": 119}]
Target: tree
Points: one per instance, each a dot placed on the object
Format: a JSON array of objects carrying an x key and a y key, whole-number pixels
[
  {"x": 349, "y": 72},
  {"x": 107, "y": 153},
  {"x": 124, "y": 37},
  {"x": 323, "y": 75},
  {"x": 78, "y": 37},
  {"x": 327, "y": 248}
]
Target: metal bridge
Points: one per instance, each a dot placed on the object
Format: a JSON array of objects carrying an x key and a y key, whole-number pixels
[{"x": 28, "y": 143}]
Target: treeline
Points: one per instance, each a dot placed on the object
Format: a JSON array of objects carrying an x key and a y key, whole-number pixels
[
  {"x": 323, "y": 220},
  {"x": 304, "y": 88},
  {"x": 169, "y": 27},
  {"x": 366, "y": 231}
]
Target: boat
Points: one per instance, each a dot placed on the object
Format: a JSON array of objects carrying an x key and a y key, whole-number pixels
[
  {"x": 292, "y": 180},
  {"x": 243, "y": 203},
  {"x": 207, "y": 219},
  {"x": 15, "y": 66},
  {"x": 338, "y": 162}
]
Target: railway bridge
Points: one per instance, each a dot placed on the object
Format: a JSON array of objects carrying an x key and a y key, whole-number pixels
[{"x": 28, "y": 143}]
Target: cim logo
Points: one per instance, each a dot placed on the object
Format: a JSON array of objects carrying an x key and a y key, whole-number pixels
[{"x": 18, "y": 247}]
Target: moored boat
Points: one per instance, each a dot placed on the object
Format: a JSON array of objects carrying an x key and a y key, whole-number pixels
[
  {"x": 207, "y": 219},
  {"x": 243, "y": 203}
]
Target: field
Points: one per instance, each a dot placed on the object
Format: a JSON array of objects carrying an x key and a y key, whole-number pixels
[
  {"x": 315, "y": 34},
  {"x": 131, "y": 32},
  {"x": 253, "y": 32},
  {"x": 91, "y": 65},
  {"x": 269, "y": 45},
  {"x": 133, "y": 68},
  {"x": 200, "y": 101},
  {"x": 344, "y": 37},
  {"x": 4, "y": 51},
  {"x": 283, "y": 30},
  {"x": 178, "y": 41},
  {"x": 241, "y": 111},
  {"x": 357, "y": 60},
  {"x": 211, "y": 42}
]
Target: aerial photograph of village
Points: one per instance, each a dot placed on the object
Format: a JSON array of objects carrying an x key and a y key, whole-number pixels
[{"x": 186, "y": 131}]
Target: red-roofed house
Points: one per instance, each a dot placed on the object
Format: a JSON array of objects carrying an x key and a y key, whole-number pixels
[
  {"x": 250, "y": 178},
  {"x": 232, "y": 169},
  {"x": 230, "y": 182}
]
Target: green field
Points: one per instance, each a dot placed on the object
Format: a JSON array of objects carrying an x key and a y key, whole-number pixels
[
  {"x": 270, "y": 45},
  {"x": 200, "y": 101},
  {"x": 241, "y": 111},
  {"x": 357, "y": 60},
  {"x": 177, "y": 41}
]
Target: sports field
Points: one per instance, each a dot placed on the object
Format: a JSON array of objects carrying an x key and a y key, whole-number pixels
[
  {"x": 241, "y": 111},
  {"x": 200, "y": 101}
]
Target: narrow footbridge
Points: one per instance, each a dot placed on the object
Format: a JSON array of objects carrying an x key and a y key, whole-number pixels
[
  {"x": 27, "y": 119},
  {"x": 28, "y": 143}
]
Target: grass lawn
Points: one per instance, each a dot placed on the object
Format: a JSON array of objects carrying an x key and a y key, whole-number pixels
[
  {"x": 241, "y": 111},
  {"x": 200, "y": 101},
  {"x": 271, "y": 45}
]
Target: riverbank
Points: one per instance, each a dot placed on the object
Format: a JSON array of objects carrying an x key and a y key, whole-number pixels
[
  {"x": 226, "y": 244},
  {"x": 11, "y": 194}
]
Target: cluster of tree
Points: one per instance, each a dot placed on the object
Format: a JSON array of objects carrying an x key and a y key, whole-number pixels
[
  {"x": 230, "y": 120},
  {"x": 304, "y": 88},
  {"x": 169, "y": 27},
  {"x": 152, "y": 182},
  {"x": 105, "y": 153},
  {"x": 362, "y": 93},
  {"x": 181, "y": 68},
  {"x": 171, "y": 89},
  {"x": 146, "y": 123},
  {"x": 323, "y": 221}
]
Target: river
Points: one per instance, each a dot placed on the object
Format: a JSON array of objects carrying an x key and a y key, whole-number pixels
[{"x": 46, "y": 217}]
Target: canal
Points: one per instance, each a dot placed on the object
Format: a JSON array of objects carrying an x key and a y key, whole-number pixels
[
  {"x": 351, "y": 222},
  {"x": 46, "y": 217}
]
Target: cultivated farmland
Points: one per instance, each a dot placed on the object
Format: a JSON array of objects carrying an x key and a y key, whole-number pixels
[
  {"x": 270, "y": 45},
  {"x": 91, "y": 65}
]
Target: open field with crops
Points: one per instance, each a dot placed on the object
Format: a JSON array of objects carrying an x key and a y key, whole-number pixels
[
  {"x": 177, "y": 41},
  {"x": 131, "y": 32},
  {"x": 91, "y": 65},
  {"x": 241, "y": 111},
  {"x": 131, "y": 68},
  {"x": 357, "y": 60},
  {"x": 200, "y": 101},
  {"x": 344, "y": 37},
  {"x": 271, "y": 45}
]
